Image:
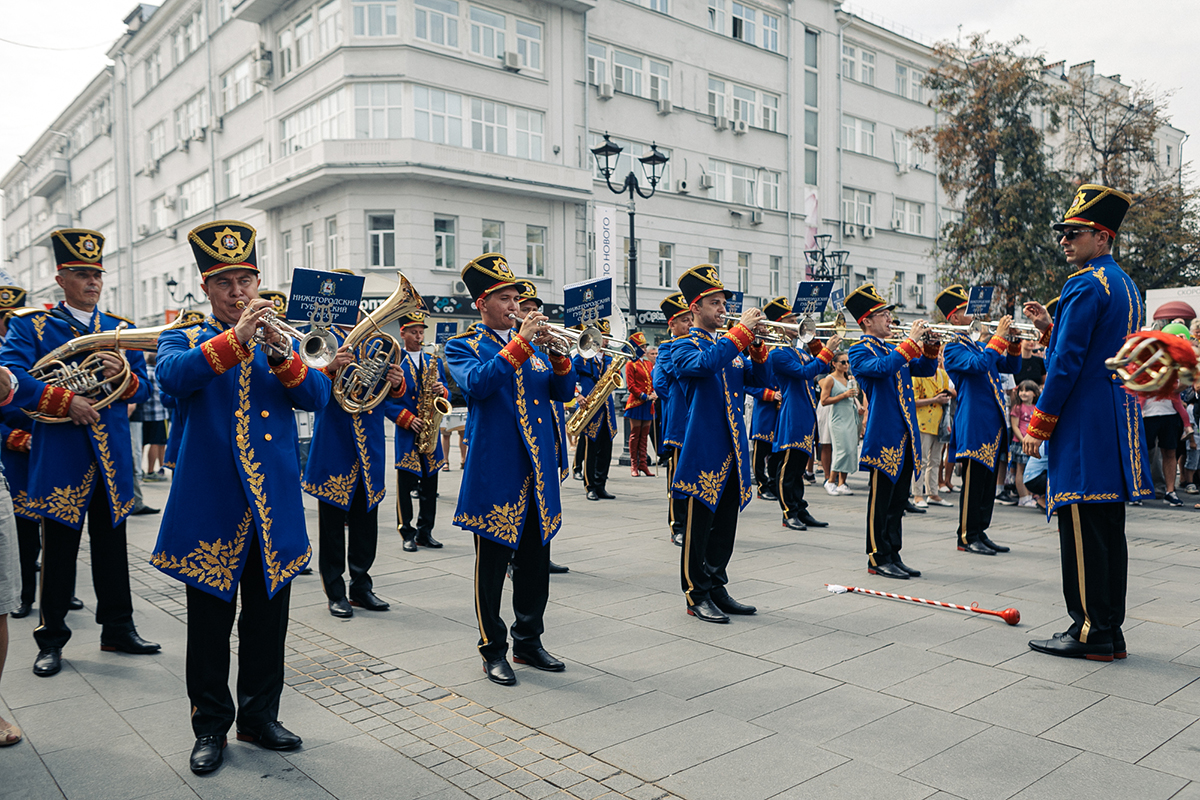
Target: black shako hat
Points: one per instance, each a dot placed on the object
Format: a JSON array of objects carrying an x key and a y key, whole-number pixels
[
  {"x": 78, "y": 248},
  {"x": 1097, "y": 207},
  {"x": 701, "y": 281},
  {"x": 864, "y": 301},
  {"x": 488, "y": 273},
  {"x": 222, "y": 246},
  {"x": 951, "y": 298},
  {"x": 529, "y": 292},
  {"x": 673, "y": 306},
  {"x": 778, "y": 308}
]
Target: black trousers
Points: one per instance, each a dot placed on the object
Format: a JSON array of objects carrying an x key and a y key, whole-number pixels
[
  {"x": 976, "y": 502},
  {"x": 1095, "y": 564},
  {"x": 885, "y": 510},
  {"x": 110, "y": 573},
  {"x": 580, "y": 449},
  {"x": 790, "y": 481},
  {"x": 427, "y": 489},
  {"x": 764, "y": 476},
  {"x": 262, "y": 628},
  {"x": 708, "y": 537},
  {"x": 335, "y": 552},
  {"x": 29, "y": 544},
  {"x": 530, "y": 589},
  {"x": 674, "y": 520},
  {"x": 597, "y": 458}
]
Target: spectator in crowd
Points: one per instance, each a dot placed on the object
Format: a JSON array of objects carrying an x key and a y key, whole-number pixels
[
  {"x": 1019, "y": 419},
  {"x": 1191, "y": 461},
  {"x": 455, "y": 422},
  {"x": 154, "y": 428},
  {"x": 933, "y": 396},
  {"x": 1033, "y": 363},
  {"x": 840, "y": 394},
  {"x": 1166, "y": 421}
]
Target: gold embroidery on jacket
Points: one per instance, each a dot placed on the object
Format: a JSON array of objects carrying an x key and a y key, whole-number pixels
[{"x": 212, "y": 564}]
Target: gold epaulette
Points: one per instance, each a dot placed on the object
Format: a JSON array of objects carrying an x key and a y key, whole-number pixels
[
  {"x": 25, "y": 312},
  {"x": 1080, "y": 272},
  {"x": 677, "y": 338},
  {"x": 464, "y": 334},
  {"x": 126, "y": 320}
]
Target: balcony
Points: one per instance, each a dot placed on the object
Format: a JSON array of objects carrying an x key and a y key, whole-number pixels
[
  {"x": 50, "y": 177},
  {"x": 337, "y": 161},
  {"x": 43, "y": 228}
]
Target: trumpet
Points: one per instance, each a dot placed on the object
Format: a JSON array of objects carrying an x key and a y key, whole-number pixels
[
  {"x": 587, "y": 342},
  {"x": 317, "y": 347},
  {"x": 1017, "y": 331},
  {"x": 805, "y": 330}
]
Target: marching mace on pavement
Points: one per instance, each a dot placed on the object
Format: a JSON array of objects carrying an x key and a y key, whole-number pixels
[{"x": 1009, "y": 615}]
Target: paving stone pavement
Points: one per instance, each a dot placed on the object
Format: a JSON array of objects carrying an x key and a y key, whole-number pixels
[{"x": 817, "y": 695}]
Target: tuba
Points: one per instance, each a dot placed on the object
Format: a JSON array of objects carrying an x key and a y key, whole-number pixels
[
  {"x": 86, "y": 376},
  {"x": 431, "y": 406},
  {"x": 361, "y": 385}
]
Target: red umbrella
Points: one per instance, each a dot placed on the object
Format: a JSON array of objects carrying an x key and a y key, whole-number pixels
[{"x": 1176, "y": 309}]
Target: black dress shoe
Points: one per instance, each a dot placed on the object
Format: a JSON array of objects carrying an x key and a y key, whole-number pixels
[
  {"x": 810, "y": 478},
  {"x": 1067, "y": 646},
  {"x": 306, "y": 571},
  {"x": 409, "y": 546},
  {"x": 272, "y": 736},
  {"x": 368, "y": 600},
  {"x": 707, "y": 612},
  {"x": 207, "y": 754},
  {"x": 887, "y": 571},
  {"x": 340, "y": 608},
  {"x": 605, "y": 494},
  {"x": 731, "y": 606},
  {"x": 145, "y": 510},
  {"x": 794, "y": 523},
  {"x": 428, "y": 541},
  {"x": 677, "y": 539},
  {"x": 48, "y": 662},
  {"x": 128, "y": 642},
  {"x": 21, "y": 612},
  {"x": 810, "y": 521},
  {"x": 999, "y": 548},
  {"x": 558, "y": 569},
  {"x": 76, "y": 604},
  {"x": 976, "y": 547},
  {"x": 591, "y": 495},
  {"x": 1119, "y": 650},
  {"x": 916, "y": 573},
  {"x": 767, "y": 494},
  {"x": 499, "y": 671},
  {"x": 539, "y": 659},
  {"x": 913, "y": 509}
]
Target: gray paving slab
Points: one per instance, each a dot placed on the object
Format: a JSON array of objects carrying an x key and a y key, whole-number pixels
[
  {"x": 691, "y": 680},
  {"x": 1031, "y": 705},
  {"x": 953, "y": 685},
  {"x": 830, "y": 714},
  {"x": 621, "y": 721},
  {"x": 130, "y": 768},
  {"x": 994, "y": 764},
  {"x": 1094, "y": 729},
  {"x": 1093, "y": 775},
  {"x": 762, "y": 694},
  {"x": 365, "y": 767},
  {"x": 857, "y": 779},
  {"x": 905, "y": 738},
  {"x": 674, "y": 748},
  {"x": 757, "y": 771},
  {"x": 885, "y": 667},
  {"x": 1152, "y": 682}
]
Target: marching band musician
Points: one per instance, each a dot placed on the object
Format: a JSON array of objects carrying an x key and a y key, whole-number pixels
[
  {"x": 795, "y": 369},
  {"x": 891, "y": 447},
  {"x": 347, "y": 475},
  {"x": 639, "y": 405},
  {"x": 670, "y": 393},
  {"x": 763, "y": 420},
  {"x": 712, "y": 481},
  {"x": 598, "y": 436},
  {"x": 509, "y": 498},
  {"x": 16, "y": 429},
  {"x": 1096, "y": 444},
  {"x": 416, "y": 470},
  {"x": 979, "y": 425},
  {"x": 81, "y": 469},
  {"x": 235, "y": 517}
]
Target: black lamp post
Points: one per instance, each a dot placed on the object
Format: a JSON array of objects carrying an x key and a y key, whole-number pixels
[
  {"x": 826, "y": 266},
  {"x": 188, "y": 299},
  {"x": 652, "y": 165}
]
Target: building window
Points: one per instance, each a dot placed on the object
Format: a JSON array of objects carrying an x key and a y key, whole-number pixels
[
  {"x": 377, "y": 110},
  {"x": 438, "y": 116},
  {"x": 529, "y": 134},
  {"x": 381, "y": 235},
  {"x": 374, "y": 18},
  {"x": 437, "y": 22},
  {"x": 288, "y": 266},
  {"x": 770, "y": 112},
  {"x": 742, "y": 189},
  {"x": 487, "y": 33},
  {"x": 716, "y": 15},
  {"x": 85, "y": 192},
  {"x": 186, "y": 39},
  {"x": 331, "y": 244},
  {"x": 714, "y": 258},
  {"x": 898, "y": 293},
  {"x": 745, "y": 104},
  {"x": 909, "y": 217},
  {"x": 743, "y": 22},
  {"x": 493, "y": 236},
  {"x": 444, "y": 236},
  {"x": 770, "y": 33},
  {"x": 849, "y": 61},
  {"x": 773, "y": 275},
  {"x": 489, "y": 126},
  {"x": 910, "y": 83},
  {"x": 811, "y": 41},
  {"x": 153, "y": 69},
  {"x": 306, "y": 239},
  {"x": 106, "y": 178},
  {"x": 625, "y": 253},
  {"x": 716, "y": 98},
  {"x": 858, "y": 207},
  {"x": 858, "y": 64},
  {"x": 191, "y": 117},
  {"x": 284, "y": 54},
  {"x": 241, "y": 165},
  {"x": 627, "y": 73},
  {"x": 529, "y": 44},
  {"x": 743, "y": 272},
  {"x": 535, "y": 251},
  {"x": 920, "y": 292},
  {"x": 1168, "y": 155},
  {"x": 194, "y": 195},
  {"x": 659, "y": 5},
  {"x": 866, "y": 67},
  {"x": 858, "y": 135},
  {"x": 666, "y": 260},
  {"x": 329, "y": 25},
  {"x": 304, "y": 41},
  {"x": 770, "y": 190},
  {"x": 314, "y": 123},
  {"x": 237, "y": 86},
  {"x": 660, "y": 81},
  {"x": 597, "y": 63}
]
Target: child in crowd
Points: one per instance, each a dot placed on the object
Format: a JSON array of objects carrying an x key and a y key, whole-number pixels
[{"x": 1019, "y": 417}]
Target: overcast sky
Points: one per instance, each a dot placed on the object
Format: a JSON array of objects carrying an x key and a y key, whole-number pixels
[{"x": 1140, "y": 41}]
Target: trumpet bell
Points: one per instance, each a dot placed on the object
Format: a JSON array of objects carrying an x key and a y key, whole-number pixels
[{"x": 318, "y": 348}]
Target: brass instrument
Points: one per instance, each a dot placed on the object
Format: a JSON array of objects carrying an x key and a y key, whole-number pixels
[
  {"x": 587, "y": 342},
  {"x": 361, "y": 385},
  {"x": 1145, "y": 364},
  {"x": 612, "y": 379},
  {"x": 86, "y": 376},
  {"x": 317, "y": 347},
  {"x": 431, "y": 407},
  {"x": 1017, "y": 331}
]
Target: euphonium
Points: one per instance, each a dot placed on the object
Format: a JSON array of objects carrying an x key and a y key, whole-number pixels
[
  {"x": 431, "y": 407},
  {"x": 86, "y": 377},
  {"x": 361, "y": 385},
  {"x": 609, "y": 382}
]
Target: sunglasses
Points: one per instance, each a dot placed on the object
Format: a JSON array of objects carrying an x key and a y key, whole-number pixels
[{"x": 1070, "y": 235}]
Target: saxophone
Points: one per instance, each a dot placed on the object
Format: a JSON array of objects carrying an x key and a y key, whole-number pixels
[
  {"x": 612, "y": 379},
  {"x": 431, "y": 407}
]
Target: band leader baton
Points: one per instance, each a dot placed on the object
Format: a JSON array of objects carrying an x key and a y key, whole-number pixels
[{"x": 1009, "y": 615}]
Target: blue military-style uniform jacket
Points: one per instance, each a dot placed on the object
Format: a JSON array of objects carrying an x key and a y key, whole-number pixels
[
  {"x": 346, "y": 447},
  {"x": 174, "y": 429},
  {"x": 589, "y": 371},
  {"x": 765, "y": 416},
  {"x": 795, "y": 369},
  {"x": 670, "y": 390},
  {"x": 1097, "y": 444},
  {"x": 714, "y": 373},
  {"x": 515, "y": 456},
  {"x": 70, "y": 459},
  {"x": 979, "y": 424},
  {"x": 885, "y": 376},
  {"x": 404, "y": 410},
  {"x": 15, "y": 440},
  {"x": 237, "y": 475}
]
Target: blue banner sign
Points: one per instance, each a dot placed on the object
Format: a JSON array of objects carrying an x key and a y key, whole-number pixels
[
  {"x": 812, "y": 297},
  {"x": 837, "y": 298},
  {"x": 445, "y": 331},
  {"x": 734, "y": 304},
  {"x": 587, "y": 301},
  {"x": 337, "y": 292},
  {"x": 979, "y": 301}
]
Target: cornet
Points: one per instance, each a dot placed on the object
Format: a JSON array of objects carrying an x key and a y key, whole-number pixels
[
  {"x": 317, "y": 347},
  {"x": 587, "y": 342},
  {"x": 1017, "y": 331}
]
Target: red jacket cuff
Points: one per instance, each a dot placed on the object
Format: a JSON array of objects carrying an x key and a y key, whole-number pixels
[
  {"x": 54, "y": 401},
  {"x": 18, "y": 441},
  {"x": 931, "y": 350},
  {"x": 517, "y": 351},
  {"x": 759, "y": 353},
  {"x": 399, "y": 391},
  {"x": 1042, "y": 424},
  {"x": 909, "y": 349},
  {"x": 1045, "y": 340},
  {"x": 741, "y": 336},
  {"x": 224, "y": 351},
  {"x": 826, "y": 355},
  {"x": 999, "y": 344},
  {"x": 292, "y": 372},
  {"x": 561, "y": 364},
  {"x": 132, "y": 388},
  {"x": 1014, "y": 347},
  {"x": 405, "y": 420}
]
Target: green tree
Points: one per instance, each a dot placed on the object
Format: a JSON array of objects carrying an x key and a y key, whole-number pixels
[{"x": 993, "y": 163}]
